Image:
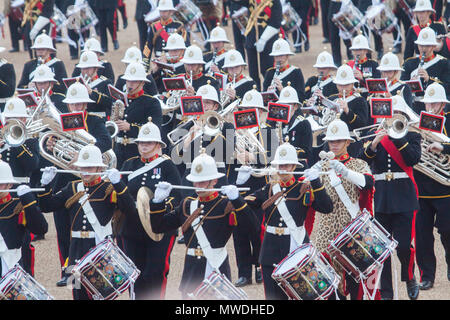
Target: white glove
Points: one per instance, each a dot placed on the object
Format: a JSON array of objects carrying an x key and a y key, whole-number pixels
[
  {"x": 243, "y": 175},
  {"x": 162, "y": 192},
  {"x": 317, "y": 166},
  {"x": 311, "y": 174},
  {"x": 113, "y": 175},
  {"x": 352, "y": 176},
  {"x": 48, "y": 175},
  {"x": 268, "y": 33},
  {"x": 23, "y": 189},
  {"x": 40, "y": 23},
  {"x": 230, "y": 191}
]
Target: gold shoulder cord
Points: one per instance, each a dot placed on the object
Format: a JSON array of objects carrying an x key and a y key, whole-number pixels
[{"x": 253, "y": 19}]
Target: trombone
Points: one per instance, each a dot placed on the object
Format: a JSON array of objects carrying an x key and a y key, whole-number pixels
[{"x": 397, "y": 127}]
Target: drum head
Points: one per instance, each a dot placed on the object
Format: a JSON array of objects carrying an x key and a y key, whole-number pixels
[
  {"x": 144, "y": 196},
  {"x": 293, "y": 260}
]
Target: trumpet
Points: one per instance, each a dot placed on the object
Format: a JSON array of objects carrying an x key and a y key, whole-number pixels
[
  {"x": 397, "y": 127},
  {"x": 117, "y": 113}
]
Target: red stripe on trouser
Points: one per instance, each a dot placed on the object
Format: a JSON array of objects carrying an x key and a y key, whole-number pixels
[
  {"x": 61, "y": 259},
  {"x": 32, "y": 259},
  {"x": 115, "y": 26},
  {"x": 412, "y": 250},
  {"x": 166, "y": 269}
]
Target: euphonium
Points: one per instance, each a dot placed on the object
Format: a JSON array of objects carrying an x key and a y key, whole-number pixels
[{"x": 117, "y": 113}]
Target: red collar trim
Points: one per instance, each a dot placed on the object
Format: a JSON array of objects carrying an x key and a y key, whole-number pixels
[
  {"x": 48, "y": 59},
  {"x": 212, "y": 196},
  {"x": 195, "y": 76},
  {"x": 93, "y": 183},
  {"x": 178, "y": 59},
  {"x": 289, "y": 183},
  {"x": 325, "y": 78},
  {"x": 144, "y": 160},
  {"x": 346, "y": 94},
  {"x": 5, "y": 199},
  {"x": 230, "y": 78},
  {"x": 168, "y": 21},
  {"x": 430, "y": 58},
  {"x": 220, "y": 52},
  {"x": 394, "y": 82},
  {"x": 38, "y": 94},
  {"x": 285, "y": 68},
  {"x": 426, "y": 25},
  {"x": 94, "y": 78},
  {"x": 343, "y": 157},
  {"x": 362, "y": 60},
  {"x": 136, "y": 95}
]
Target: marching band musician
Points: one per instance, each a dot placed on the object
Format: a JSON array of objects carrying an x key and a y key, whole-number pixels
[
  {"x": 324, "y": 80},
  {"x": 427, "y": 67},
  {"x": 18, "y": 217},
  {"x": 354, "y": 110},
  {"x": 265, "y": 17},
  {"x": 150, "y": 252},
  {"x": 36, "y": 18},
  {"x": 206, "y": 219},
  {"x": 298, "y": 129},
  {"x": 90, "y": 203},
  {"x": 215, "y": 142},
  {"x": 140, "y": 107},
  {"x": 282, "y": 72},
  {"x": 422, "y": 11},
  {"x": 77, "y": 100},
  {"x": 395, "y": 199},
  {"x": 335, "y": 38},
  {"x": 23, "y": 161},
  {"x": 43, "y": 81},
  {"x": 7, "y": 80},
  {"x": 175, "y": 48},
  {"x": 433, "y": 198},
  {"x": 247, "y": 245},
  {"x": 238, "y": 37},
  {"x": 133, "y": 54},
  {"x": 363, "y": 67},
  {"x": 97, "y": 85},
  {"x": 106, "y": 13},
  {"x": 390, "y": 69},
  {"x": 352, "y": 180},
  {"x": 107, "y": 71},
  {"x": 284, "y": 219},
  {"x": 159, "y": 31},
  {"x": 43, "y": 47},
  {"x": 215, "y": 58},
  {"x": 237, "y": 83}
]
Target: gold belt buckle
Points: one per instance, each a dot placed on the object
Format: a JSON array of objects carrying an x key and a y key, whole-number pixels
[
  {"x": 389, "y": 176},
  {"x": 124, "y": 141},
  {"x": 198, "y": 252},
  {"x": 84, "y": 234},
  {"x": 279, "y": 231}
]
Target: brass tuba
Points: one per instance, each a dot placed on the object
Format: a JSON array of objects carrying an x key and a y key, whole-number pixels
[{"x": 117, "y": 113}]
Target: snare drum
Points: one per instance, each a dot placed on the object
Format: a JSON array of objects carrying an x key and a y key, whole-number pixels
[
  {"x": 88, "y": 18},
  {"x": 305, "y": 275},
  {"x": 349, "y": 19},
  {"x": 291, "y": 19},
  {"x": 187, "y": 12},
  {"x": 240, "y": 17},
  {"x": 362, "y": 246},
  {"x": 105, "y": 271},
  {"x": 59, "y": 18},
  {"x": 380, "y": 19},
  {"x": 218, "y": 287},
  {"x": 19, "y": 285}
]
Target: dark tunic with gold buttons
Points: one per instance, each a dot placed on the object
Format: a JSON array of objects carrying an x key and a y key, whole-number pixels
[
  {"x": 287, "y": 74},
  {"x": 55, "y": 64},
  {"x": 100, "y": 94},
  {"x": 218, "y": 217},
  {"x": 19, "y": 216},
  {"x": 158, "y": 34},
  {"x": 7, "y": 82},
  {"x": 327, "y": 86}
]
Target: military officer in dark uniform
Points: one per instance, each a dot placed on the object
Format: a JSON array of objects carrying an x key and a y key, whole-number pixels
[
  {"x": 43, "y": 82},
  {"x": 140, "y": 107},
  {"x": 97, "y": 85},
  {"x": 90, "y": 203},
  {"x": 265, "y": 19},
  {"x": 106, "y": 12},
  {"x": 305, "y": 11},
  {"x": 149, "y": 251},
  {"x": 207, "y": 221},
  {"x": 363, "y": 67},
  {"x": 428, "y": 67},
  {"x": 18, "y": 217},
  {"x": 14, "y": 15},
  {"x": 395, "y": 199},
  {"x": 423, "y": 11},
  {"x": 36, "y": 18},
  {"x": 354, "y": 110},
  {"x": 77, "y": 100},
  {"x": 160, "y": 30},
  {"x": 133, "y": 54},
  {"x": 278, "y": 76},
  {"x": 237, "y": 83},
  {"x": 43, "y": 47},
  {"x": 107, "y": 71},
  {"x": 434, "y": 198},
  {"x": 216, "y": 57},
  {"x": 335, "y": 38},
  {"x": 324, "y": 80},
  {"x": 142, "y": 8},
  {"x": 7, "y": 81},
  {"x": 284, "y": 224}
]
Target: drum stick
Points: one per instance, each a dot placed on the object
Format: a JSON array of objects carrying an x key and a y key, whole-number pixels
[{"x": 203, "y": 189}]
